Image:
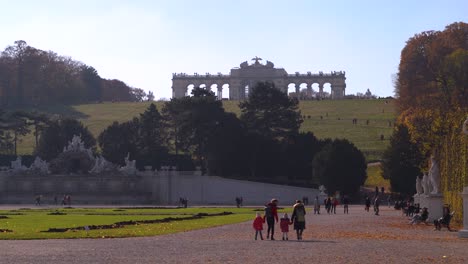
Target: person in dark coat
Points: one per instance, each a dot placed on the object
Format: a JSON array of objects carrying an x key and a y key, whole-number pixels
[{"x": 298, "y": 218}]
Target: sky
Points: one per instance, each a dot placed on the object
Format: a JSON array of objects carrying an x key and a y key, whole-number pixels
[{"x": 143, "y": 42}]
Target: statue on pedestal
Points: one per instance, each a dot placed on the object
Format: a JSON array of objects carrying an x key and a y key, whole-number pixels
[
  {"x": 426, "y": 185},
  {"x": 130, "y": 166},
  {"x": 102, "y": 165},
  {"x": 419, "y": 186},
  {"x": 434, "y": 175},
  {"x": 39, "y": 166},
  {"x": 322, "y": 190},
  {"x": 17, "y": 166}
]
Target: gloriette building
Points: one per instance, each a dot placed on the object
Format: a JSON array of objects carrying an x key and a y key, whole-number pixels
[{"x": 242, "y": 78}]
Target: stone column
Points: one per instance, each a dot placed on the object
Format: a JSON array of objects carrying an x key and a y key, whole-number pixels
[
  {"x": 220, "y": 92},
  {"x": 309, "y": 91},
  {"x": 298, "y": 90},
  {"x": 321, "y": 90},
  {"x": 464, "y": 232}
]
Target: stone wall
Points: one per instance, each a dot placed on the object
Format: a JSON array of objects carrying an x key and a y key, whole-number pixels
[{"x": 159, "y": 188}]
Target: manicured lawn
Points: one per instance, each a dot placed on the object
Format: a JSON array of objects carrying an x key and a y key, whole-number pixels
[{"x": 31, "y": 223}]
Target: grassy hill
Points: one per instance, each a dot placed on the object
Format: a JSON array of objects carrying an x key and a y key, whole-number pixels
[{"x": 336, "y": 121}]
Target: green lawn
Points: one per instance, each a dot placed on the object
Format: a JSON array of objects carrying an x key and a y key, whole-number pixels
[
  {"x": 336, "y": 120},
  {"x": 31, "y": 223}
]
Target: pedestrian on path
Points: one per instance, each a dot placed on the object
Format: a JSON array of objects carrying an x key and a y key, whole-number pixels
[
  {"x": 271, "y": 214},
  {"x": 376, "y": 205},
  {"x": 284, "y": 225},
  {"x": 316, "y": 205},
  {"x": 258, "y": 225},
  {"x": 345, "y": 204},
  {"x": 298, "y": 218}
]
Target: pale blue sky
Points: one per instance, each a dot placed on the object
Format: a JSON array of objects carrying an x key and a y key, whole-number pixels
[{"x": 143, "y": 42}]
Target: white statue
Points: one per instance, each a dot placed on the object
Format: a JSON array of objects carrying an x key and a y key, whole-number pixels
[
  {"x": 419, "y": 186},
  {"x": 39, "y": 166},
  {"x": 17, "y": 166},
  {"x": 434, "y": 175},
  {"x": 426, "y": 185},
  {"x": 322, "y": 189},
  {"x": 102, "y": 165},
  {"x": 77, "y": 145},
  {"x": 130, "y": 166}
]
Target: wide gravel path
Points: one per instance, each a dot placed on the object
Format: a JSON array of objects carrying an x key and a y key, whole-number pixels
[{"x": 359, "y": 237}]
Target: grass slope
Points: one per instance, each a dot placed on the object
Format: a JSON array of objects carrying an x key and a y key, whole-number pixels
[{"x": 336, "y": 120}]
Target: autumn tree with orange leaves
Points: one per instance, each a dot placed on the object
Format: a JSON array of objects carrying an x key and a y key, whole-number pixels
[{"x": 432, "y": 101}]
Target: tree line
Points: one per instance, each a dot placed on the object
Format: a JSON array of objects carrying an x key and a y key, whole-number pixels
[
  {"x": 432, "y": 100},
  {"x": 262, "y": 144},
  {"x": 30, "y": 76}
]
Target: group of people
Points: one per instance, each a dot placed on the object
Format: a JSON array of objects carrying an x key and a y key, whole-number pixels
[
  {"x": 66, "y": 200},
  {"x": 271, "y": 217},
  {"x": 183, "y": 202}
]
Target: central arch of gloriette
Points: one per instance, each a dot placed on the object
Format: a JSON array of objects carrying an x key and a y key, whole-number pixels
[{"x": 247, "y": 75}]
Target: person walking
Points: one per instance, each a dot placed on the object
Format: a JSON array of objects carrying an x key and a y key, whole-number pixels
[
  {"x": 271, "y": 214},
  {"x": 368, "y": 203},
  {"x": 298, "y": 218},
  {"x": 334, "y": 204},
  {"x": 345, "y": 204},
  {"x": 316, "y": 205},
  {"x": 258, "y": 225},
  {"x": 328, "y": 204},
  {"x": 284, "y": 225},
  {"x": 376, "y": 205}
]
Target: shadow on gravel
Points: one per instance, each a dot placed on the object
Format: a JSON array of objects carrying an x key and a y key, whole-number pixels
[{"x": 304, "y": 241}]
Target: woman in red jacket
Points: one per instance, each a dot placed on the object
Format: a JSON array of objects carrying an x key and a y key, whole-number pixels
[{"x": 258, "y": 225}]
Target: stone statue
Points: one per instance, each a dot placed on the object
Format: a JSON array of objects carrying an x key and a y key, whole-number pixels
[
  {"x": 130, "y": 166},
  {"x": 426, "y": 185},
  {"x": 434, "y": 175},
  {"x": 39, "y": 166},
  {"x": 17, "y": 166},
  {"x": 77, "y": 145},
  {"x": 419, "y": 186},
  {"x": 102, "y": 165},
  {"x": 322, "y": 189},
  {"x": 257, "y": 59},
  {"x": 244, "y": 64},
  {"x": 270, "y": 64}
]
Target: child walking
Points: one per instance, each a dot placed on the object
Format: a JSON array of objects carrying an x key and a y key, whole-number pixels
[
  {"x": 284, "y": 224},
  {"x": 258, "y": 225}
]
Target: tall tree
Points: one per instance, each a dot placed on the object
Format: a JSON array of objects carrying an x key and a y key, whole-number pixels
[
  {"x": 152, "y": 138},
  {"x": 401, "y": 161},
  {"x": 57, "y": 135},
  {"x": 192, "y": 121},
  {"x": 270, "y": 112},
  {"x": 118, "y": 140},
  {"x": 340, "y": 166}
]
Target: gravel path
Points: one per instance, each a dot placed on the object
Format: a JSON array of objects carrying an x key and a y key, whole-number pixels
[{"x": 359, "y": 237}]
